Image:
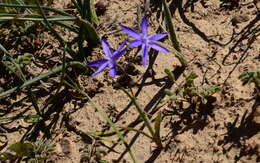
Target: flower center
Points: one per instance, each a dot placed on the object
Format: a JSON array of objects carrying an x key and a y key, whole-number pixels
[{"x": 144, "y": 39}]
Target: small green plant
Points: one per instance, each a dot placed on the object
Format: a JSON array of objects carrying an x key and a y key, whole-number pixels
[
  {"x": 41, "y": 151},
  {"x": 251, "y": 76},
  {"x": 21, "y": 60},
  {"x": 93, "y": 154},
  {"x": 191, "y": 93},
  {"x": 36, "y": 152}
]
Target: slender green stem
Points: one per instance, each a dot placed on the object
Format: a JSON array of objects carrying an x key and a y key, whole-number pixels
[
  {"x": 76, "y": 5},
  {"x": 68, "y": 26},
  {"x": 145, "y": 119},
  {"x": 22, "y": 77},
  {"x": 7, "y": 119},
  {"x": 41, "y": 77},
  {"x": 17, "y": 66},
  {"x": 61, "y": 40},
  {"x": 56, "y": 18},
  {"x": 35, "y": 7},
  {"x": 21, "y": 2},
  {"x": 168, "y": 20},
  {"x": 179, "y": 55}
]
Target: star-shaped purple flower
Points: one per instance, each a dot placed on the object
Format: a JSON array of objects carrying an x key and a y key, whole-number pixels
[
  {"x": 142, "y": 39},
  {"x": 110, "y": 58}
]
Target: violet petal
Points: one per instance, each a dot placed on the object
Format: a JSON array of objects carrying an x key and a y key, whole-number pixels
[
  {"x": 101, "y": 68},
  {"x": 118, "y": 54},
  {"x": 135, "y": 43},
  {"x": 106, "y": 48},
  {"x": 97, "y": 63},
  {"x": 112, "y": 69},
  {"x": 120, "y": 47},
  {"x": 157, "y": 37},
  {"x": 130, "y": 32},
  {"x": 144, "y": 25},
  {"x": 144, "y": 54}
]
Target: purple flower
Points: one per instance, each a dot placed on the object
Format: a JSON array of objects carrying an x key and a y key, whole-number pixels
[
  {"x": 142, "y": 39},
  {"x": 110, "y": 58}
]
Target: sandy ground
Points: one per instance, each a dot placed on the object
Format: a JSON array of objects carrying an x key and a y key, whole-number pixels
[{"x": 219, "y": 44}]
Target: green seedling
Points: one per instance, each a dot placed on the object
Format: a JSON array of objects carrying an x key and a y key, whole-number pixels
[
  {"x": 21, "y": 60},
  {"x": 41, "y": 151},
  {"x": 191, "y": 93},
  {"x": 38, "y": 151},
  {"x": 170, "y": 75},
  {"x": 251, "y": 76},
  {"x": 93, "y": 154},
  {"x": 87, "y": 13}
]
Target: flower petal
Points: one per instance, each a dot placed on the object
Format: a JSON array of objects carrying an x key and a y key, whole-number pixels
[
  {"x": 101, "y": 68},
  {"x": 144, "y": 54},
  {"x": 118, "y": 54},
  {"x": 157, "y": 37},
  {"x": 135, "y": 43},
  {"x": 130, "y": 32},
  {"x": 144, "y": 25},
  {"x": 158, "y": 47},
  {"x": 112, "y": 70},
  {"x": 97, "y": 63},
  {"x": 119, "y": 48},
  {"x": 122, "y": 45},
  {"x": 106, "y": 48}
]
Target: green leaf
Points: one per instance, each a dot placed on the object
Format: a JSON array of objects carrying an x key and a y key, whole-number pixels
[
  {"x": 170, "y": 27},
  {"x": 138, "y": 131},
  {"x": 43, "y": 76},
  {"x": 157, "y": 124},
  {"x": 173, "y": 98},
  {"x": 90, "y": 33},
  {"x": 157, "y": 128},
  {"x": 190, "y": 78},
  {"x": 169, "y": 74},
  {"x": 17, "y": 150},
  {"x": 168, "y": 92}
]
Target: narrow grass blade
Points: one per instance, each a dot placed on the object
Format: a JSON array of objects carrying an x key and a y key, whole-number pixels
[
  {"x": 157, "y": 128},
  {"x": 71, "y": 27},
  {"x": 43, "y": 76},
  {"x": 27, "y": 118},
  {"x": 35, "y": 7},
  {"x": 138, "y": 131},
  {"x": 36, "y": 18},
  {"x": 91, "y": 13},
  {"x": 140, "y": 111},
  {"x": 91, "y": 33},
  {"x": 173, "y": 36},
  {"x": 170, "y": 27}
]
